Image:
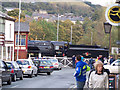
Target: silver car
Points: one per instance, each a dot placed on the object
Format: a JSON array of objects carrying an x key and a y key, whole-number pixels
[
  {"x": 27, "y": 67},
  {"x": 56, "y": 64}
]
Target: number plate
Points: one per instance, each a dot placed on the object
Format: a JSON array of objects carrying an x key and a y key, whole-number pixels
[{"x": 46, "y": 67}]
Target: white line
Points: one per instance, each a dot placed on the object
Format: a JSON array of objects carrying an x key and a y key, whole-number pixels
[{"x": 14, "y": 86}]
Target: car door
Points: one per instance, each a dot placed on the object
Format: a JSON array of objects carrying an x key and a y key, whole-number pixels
[
  {"x": 34, "y": 67},
  {"x": 17, "y": 69},
  {"x": 5, "y": 72}
]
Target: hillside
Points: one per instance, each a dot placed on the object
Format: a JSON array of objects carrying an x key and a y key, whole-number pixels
[{"x": 77, "y": 8}]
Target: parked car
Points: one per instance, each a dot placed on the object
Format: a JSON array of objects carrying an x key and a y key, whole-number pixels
[
  {"x": 6, "y": 75},
  {"x": 56, "y": 64},
  {"x": 114, "y": 67},
  {"x": 27, "y": 67},
  {"x": 44, "y": 66},
  {"x": 16, "y": 72}
]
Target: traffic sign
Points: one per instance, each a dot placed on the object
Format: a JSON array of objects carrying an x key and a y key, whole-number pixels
[{"x": 112, "y": 14}]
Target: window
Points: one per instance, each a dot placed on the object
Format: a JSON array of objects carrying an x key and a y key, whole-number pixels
[
  {"x": 0, "y": 51},
  {"x": 8, "y": 52},
  {"x": 10, "y": 31},
  {"x": 117, "y": 63},
  {"x": 22, "y": 40},
  {"x": 2, "y": 25},
  {"x": 4, "y": 53}
]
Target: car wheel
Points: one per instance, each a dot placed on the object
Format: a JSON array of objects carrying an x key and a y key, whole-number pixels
[
  {"x": 48, "y": 73},
  {"x": 31, "y": 75},
  {"x": 36, "y": 74},
  {"x": 60, "y": 69},
  {"x": 21, "y": 78},
  {"x": 14, "y": 78},
  {"x": 9, "y": 82}
]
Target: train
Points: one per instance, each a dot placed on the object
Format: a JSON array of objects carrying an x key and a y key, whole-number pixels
[{"x": 62, "y": 48}]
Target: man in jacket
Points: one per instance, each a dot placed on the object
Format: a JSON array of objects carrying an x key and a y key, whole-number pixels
[
  {"x": 80, "y": 74},
  {"x": 111, "y": 59}
]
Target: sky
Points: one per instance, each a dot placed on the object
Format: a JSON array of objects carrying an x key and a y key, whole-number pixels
[{"x": 102, "y": 2}]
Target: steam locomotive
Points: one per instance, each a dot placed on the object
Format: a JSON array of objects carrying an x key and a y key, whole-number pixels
[{"x": 52, "y": 48}]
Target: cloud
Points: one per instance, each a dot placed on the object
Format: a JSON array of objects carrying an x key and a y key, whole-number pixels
[{"x": 102, "y": 2}]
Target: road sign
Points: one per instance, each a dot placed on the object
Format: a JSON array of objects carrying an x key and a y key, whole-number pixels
[{"x": 112, "y": 14}]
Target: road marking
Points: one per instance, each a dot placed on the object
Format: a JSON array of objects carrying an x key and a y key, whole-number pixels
[
  {"x": 15, "y": 86},
  {"x": 72, "y": 87}
]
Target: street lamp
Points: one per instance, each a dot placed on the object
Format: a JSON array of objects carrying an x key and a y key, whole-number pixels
[
  {"x": 107, "y": 28},
  {"x": 118, "y": 1}
]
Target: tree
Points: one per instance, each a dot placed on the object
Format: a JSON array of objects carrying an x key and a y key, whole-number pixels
[
  {"x": 15, "y": 14},
  {"x": 42, "y": 30}
]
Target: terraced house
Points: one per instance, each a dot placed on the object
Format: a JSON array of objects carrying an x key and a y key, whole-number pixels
[{"x": 6, "y": 37}]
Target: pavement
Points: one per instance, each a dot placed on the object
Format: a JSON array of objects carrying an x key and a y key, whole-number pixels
[{"x": 58, "y": 79}]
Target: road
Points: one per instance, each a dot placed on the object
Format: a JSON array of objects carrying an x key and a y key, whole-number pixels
[{"x": 58, "y": 79}]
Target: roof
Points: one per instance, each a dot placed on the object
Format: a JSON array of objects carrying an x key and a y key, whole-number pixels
[
  {"x": 24, "y": 27},
  {"x": 5, "y": 16},
  {"x": 53, "y": 17}
]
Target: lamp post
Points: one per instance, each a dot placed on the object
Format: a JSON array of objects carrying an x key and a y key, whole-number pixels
[
  {"x": 107, "y": 28},
  {"x": 58, "y": 27},
  {"x": 18, "y": 30},
  {"x": 71, "y": 35}
]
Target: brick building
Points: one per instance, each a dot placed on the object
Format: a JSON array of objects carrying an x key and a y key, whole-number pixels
[{"x": 23, "y": 40}]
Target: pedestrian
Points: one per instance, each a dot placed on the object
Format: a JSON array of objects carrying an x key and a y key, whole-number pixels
[
  {"x": 87, "y": 62},
  {"x": 101, "y": 58},
  {"x": 99, "y": 77},
  {"x": 80, "y": 74},
  {"x": 82, "y": 58},
  {"x": 111, "y": 59},
  {"x": 91, "y": 62},
  {"x": 73, "y": 58}
]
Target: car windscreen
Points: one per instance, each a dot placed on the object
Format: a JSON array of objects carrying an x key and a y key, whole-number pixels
[
  {"x": 36, "y": 62},
  {"x": 10, "y": 64},
  {"x": 23, "y": 62},
  {"x": 45, "y": 62},
  {"x": 15, "y": 65},
  {"x": 53, "y": 60},
  {"x": 117, "y": 63}
]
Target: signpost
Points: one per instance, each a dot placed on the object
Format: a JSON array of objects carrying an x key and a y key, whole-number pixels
[{"x": 112, "y": 14}]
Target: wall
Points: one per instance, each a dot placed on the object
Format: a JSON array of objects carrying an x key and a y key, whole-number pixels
[{"x": 9, "y": 36}]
